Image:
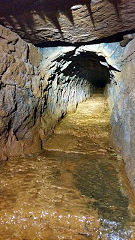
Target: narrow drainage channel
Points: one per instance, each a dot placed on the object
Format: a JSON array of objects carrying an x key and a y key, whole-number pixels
[{"x": 76, "y": 189}]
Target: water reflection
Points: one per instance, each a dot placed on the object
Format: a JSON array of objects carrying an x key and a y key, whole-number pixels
[{"x": 76, "y": 189}]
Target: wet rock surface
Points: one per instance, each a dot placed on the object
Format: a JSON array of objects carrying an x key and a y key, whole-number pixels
[{"x": 123, "y": 110}]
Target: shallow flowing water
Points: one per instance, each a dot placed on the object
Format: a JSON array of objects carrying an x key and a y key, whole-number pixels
[{"x": 76, "y": 189}]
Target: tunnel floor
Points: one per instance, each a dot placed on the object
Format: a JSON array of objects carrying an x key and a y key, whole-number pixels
[{"x": 76, "y": 189}]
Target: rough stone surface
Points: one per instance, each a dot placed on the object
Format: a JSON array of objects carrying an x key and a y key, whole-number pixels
[
  {"x": 19, "y": 104},
  {"x": 67, "y": 21},
  {"x": 123, "y": 111},
  {"x": 34, "y": 56},
  {"x": 33, "y": 96}
]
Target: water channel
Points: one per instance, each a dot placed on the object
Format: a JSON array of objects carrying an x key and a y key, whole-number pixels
[{"x": 75, "y": 189}]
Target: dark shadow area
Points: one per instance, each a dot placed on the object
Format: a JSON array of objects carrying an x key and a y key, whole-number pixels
[
  {"x": 15, "y": 7},
  {"x": 88, "y": 4},
  {"x": 116, "y": 4},
  {"x": 87, "y": 66}
]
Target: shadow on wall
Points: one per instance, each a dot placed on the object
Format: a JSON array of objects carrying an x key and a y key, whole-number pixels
[
  {"x": 87, "y": 66},
  {"x": 21, "y": 12},
  {"x": 116, "y": 6}
]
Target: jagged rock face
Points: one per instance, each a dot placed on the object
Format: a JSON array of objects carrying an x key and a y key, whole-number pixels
[
  {"x": 33, "y": 96},
  {"x": 19, "y": 104},
  {"x": 123, "y": 111},
  {"x": 68, "y": 21}
]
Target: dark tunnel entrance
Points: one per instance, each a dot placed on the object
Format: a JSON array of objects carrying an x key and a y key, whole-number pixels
[{"x": 91, "y": 67}]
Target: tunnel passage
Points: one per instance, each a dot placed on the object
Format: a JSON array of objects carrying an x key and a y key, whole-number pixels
[
  {"x": 73, "y": 78},
  {"x": 88, "y": 65},
  {"x": 44, "y": 85},
  {"x": 47, "y": 188}
]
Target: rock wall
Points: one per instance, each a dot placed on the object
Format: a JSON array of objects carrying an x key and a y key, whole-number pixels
[
  {"x": 123, "y": 111},
  {"x": 20, "y": 103},
  {"x": 34, "y": 95}
]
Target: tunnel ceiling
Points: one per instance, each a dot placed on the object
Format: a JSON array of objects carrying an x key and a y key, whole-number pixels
[
  {"x": 87, "y": 66},
  {"x": 69, "y": 21}
]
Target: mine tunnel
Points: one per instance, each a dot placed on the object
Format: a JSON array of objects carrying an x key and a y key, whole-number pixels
[
  {"x": 89, "y": 66},
  {"x": 67, "y": 155}
]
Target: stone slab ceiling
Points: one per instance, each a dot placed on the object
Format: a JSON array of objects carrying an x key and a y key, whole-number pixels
[{"x": 70, "y": 21}]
